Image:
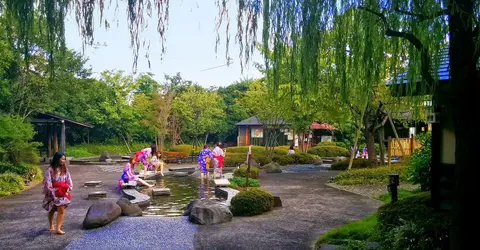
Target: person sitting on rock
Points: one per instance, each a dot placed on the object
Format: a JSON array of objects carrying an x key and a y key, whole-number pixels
[
  {"x": 142, "y": 156},
  {"x": 129, "y": 174},
  {"x": 157, "y": 162}
]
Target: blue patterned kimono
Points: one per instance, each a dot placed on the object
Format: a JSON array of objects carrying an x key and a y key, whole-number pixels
[{"x": 202, "y": 159}]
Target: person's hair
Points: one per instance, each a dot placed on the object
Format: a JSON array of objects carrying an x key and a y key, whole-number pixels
[
  {"x": 56, "y": 163},
  {"x": 154, "y": 148},
  {"x": 132, "y": 160},
  {"x": 219, "y": 144},
  {"x": 205, "y": 146},
  {"x": 291, "y": 147}
]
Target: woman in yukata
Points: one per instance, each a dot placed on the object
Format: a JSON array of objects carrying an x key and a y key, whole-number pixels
[
  {"x": 129, "y": 174},
  {"x": 142, "y": 156},
  {"x": 57, "y": 185},
  {"x": 219, "y": 156},
  {"x": 204, "y": 160}
]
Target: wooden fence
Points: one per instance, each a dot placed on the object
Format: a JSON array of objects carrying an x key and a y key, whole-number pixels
[{"x": 401, "y": 147}]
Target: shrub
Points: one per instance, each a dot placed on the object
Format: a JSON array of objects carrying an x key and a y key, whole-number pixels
[
  {"x": 341, "y": 144},
  {"x": 412, "y": 223},
  {"x": 357, "y": 163},
  {"x": 188, "y": 149},
  {"x": 236, "y": 182},
  {"x": 240, "y": 172},
  {"x": 378, "y": 175},
  {"x": 10, "y": 183},
  {"x": 16, "y": 141},
  {"x": 283, "y": 160},
  {"x": 419, "y": 162},
  {"x": 26, "y": 171},
  {"x": 298, "y": 158},
  {"x": 328, "y": 151},
  {"x": 234, "y": 159},
  {"x": 253, "y": 201}
]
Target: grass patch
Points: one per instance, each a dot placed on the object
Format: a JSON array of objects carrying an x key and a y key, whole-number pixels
[
  {"x": 378, "y": 175},
  {"x": 361, "y": 230},
  {"x": 239, "y": 182},
  {"x": 402, "y": 193}
]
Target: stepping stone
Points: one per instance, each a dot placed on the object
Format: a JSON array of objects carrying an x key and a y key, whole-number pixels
[
  {"x": 221, "y": 182},
  {"x": 161, "y": 191},
  {"x": 226, "y": 193},
  {"x": 228, "y": 175},
  {"x": 97, "y": 195},
  {"x": 277, "y": 202},
  {"x": 180, "y": 174},
  {"x": 93, "y": 184}
]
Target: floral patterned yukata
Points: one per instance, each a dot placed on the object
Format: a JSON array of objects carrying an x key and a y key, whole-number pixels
[
  {"x": 49, "y": 180},
  {"x": 202, "y": 159}
]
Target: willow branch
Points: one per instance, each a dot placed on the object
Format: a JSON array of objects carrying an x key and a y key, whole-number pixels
[
  {"x": 422, "y": 17},
  {"x": 425, "y": 59}
]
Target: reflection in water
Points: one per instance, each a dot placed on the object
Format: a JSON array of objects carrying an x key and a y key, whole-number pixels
[{"x": 183, "y": 190}]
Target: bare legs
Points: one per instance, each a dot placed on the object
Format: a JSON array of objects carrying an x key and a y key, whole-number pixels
[
  {"x": 144, "y": 183},
  {"x": 60, "y": 216}
]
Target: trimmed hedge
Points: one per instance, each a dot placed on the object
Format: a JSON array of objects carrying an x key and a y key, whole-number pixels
[
  {"x": 412, "y": 223},
  {"x": 10, "y": 183},
  {"x": 253, "y": 201},
  {"x": 236, "y": 182},
  {"x": 186, "y": 148},
  {"x": 240, "y": 172},
  {"x": 378, "y": 175},
  {"x": 328, "y": 151},
  {"x": 297, "y": 158},
  {"x": 357, "y": 163}
]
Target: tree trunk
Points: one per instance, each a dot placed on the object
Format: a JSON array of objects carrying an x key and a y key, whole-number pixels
[
  {"x": 381, "y": 136},
  {"x": 464, "y": 107}
]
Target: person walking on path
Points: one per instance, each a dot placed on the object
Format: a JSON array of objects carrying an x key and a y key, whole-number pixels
[{"x": 57, "y": 185}]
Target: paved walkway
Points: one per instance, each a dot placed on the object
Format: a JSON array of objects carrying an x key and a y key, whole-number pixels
[{"x": 310, "y": 208}]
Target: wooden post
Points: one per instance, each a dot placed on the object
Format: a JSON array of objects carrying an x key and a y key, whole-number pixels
[
  {"x": 49, "y": 140},
  {"x": 62, "y": 138},
  {"x": 246, "y": 137},
  {"x": 55, "y": 139},
  {"x": 396, "y": 134},
  {"x": 249, "y": 157},
  {"x": 412, "y": 144},
  {"x": 389, "y": 151}
]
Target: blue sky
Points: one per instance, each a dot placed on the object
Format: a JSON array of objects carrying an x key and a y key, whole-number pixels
[{"x": 190, "y": 45}]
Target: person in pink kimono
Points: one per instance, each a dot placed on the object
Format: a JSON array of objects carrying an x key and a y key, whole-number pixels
[
  {"x": 129, "y": 174},
  {"x": 57, "y": 185},
  {"x": 142, "y": 156}
]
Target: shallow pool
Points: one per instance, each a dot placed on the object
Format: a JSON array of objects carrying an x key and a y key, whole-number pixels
[{"x": 183, "y": 190}]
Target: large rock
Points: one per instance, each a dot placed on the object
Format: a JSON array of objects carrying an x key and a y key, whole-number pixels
[
  {"x": 192, "y": 203},
  {"x": 273, "y": 167},
  {"x": 100, "y": 214},
  {"x": 161, "y": 192},
  {"x": 317, "y": 161},
  {"x": 203, "y": 213},
  {"x": 277, "y": 202},
  {"x": 128, "y": 208},
  {"x": 105, "y": 157}
]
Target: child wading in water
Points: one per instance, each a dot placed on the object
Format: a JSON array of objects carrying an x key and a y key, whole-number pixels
[
  {"x": 129, "y": 174},
  {"x": 204, "y": 159},
  {"x": 157, "y": 162}
]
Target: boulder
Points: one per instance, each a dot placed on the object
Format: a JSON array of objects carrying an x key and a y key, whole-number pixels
[
  {"x": 277, "y": 202},
  {"x": 101, "y": 214},
  {"x": 128, "y": 208},
  {"x": 273, "y": 167},
  {"x": 188, "y": 209},
  {"x": 104, "y": 157},
  {"x": 317, "y": 161},
  {"x": 204, "y": 213}
]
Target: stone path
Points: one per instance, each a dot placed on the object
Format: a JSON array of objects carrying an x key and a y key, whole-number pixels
[{"x": 310, "y": 208}]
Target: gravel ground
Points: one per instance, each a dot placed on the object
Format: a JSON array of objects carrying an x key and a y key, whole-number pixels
[
  {"x": 139, "y": 233},
  {"x": 370, "y": 190}
]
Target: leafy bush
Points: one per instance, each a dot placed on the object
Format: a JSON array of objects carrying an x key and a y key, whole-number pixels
[
  {"x": 10, "y": 183},
  {"x": 420, "y": 159},
  {"x": 298, "y": 158},
  {"x": 341, "y": 144},
  {"x": 328, "y": 151},
  {"x": 240, "y": 172},
  {"x": 357, "y": 163},
  {"x": 236, "y": 182},
  {"x": 251, "y": 202},
  {"x": 377, "y": 175},
  {"x": 412, "y": 223},
  {"x": 16, "y": 141},
  {"x": 234, "y": 159},
  {"x": 186, "y": 149}
]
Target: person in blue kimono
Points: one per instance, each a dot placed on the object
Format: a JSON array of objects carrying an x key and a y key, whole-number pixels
[{"x": 204, "y": 161}]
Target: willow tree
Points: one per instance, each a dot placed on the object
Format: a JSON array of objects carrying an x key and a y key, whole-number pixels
[{"x": 422, "y": 25}]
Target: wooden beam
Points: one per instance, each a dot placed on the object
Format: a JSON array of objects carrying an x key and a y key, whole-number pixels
[
  {"x": 55, "y": 139},
  {"x": 62, "y": 137},
  {"x": 49, "y": 141}
]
